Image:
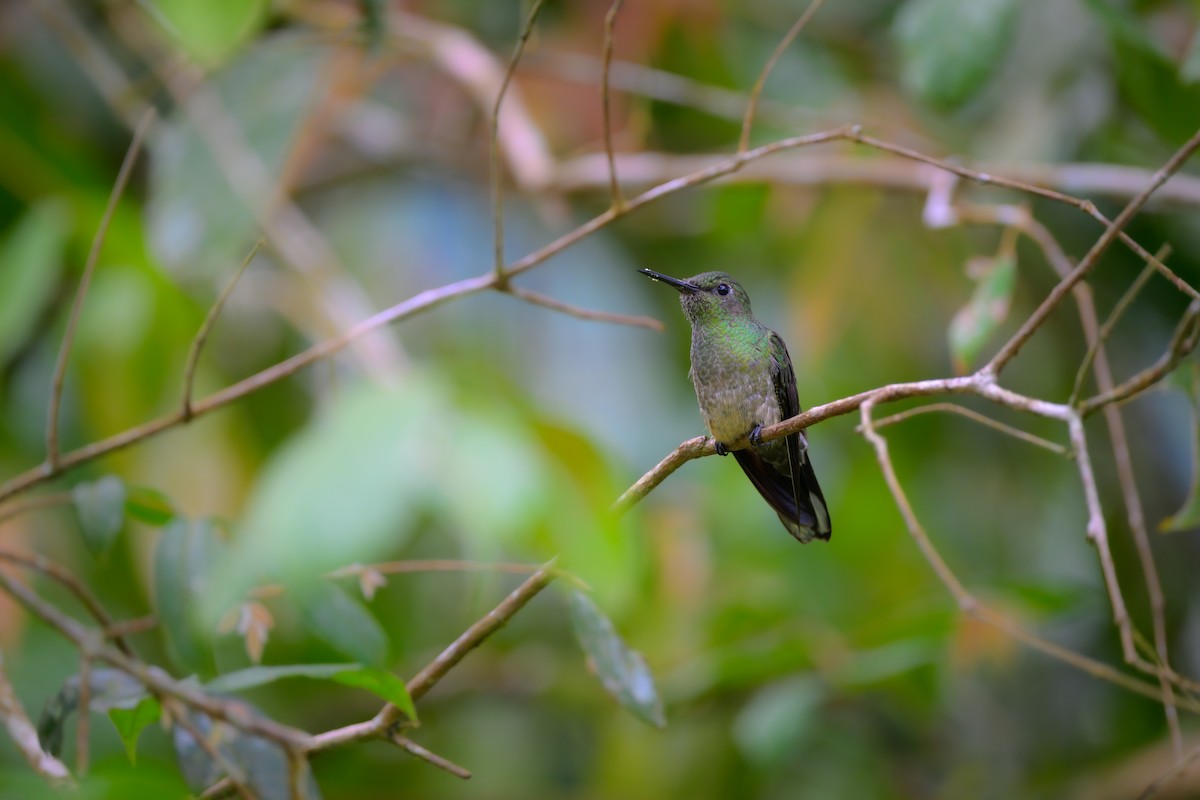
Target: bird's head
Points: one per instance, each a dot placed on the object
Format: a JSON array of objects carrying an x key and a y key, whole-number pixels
[{"x": 708, "y": 297}]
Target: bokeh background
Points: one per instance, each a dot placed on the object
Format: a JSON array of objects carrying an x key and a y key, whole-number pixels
[{"x": 497, "y": 431}]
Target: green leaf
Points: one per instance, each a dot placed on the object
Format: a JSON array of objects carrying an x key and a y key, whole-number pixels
[
  {"x": 379, "y": 682},
  {"x": 1149, "y": 80},
  {"x": 949, "y": 48},
  {"x": 209, "y": 29},
  {"x": 196, "y": 224},
  {"x": 622, "y": 671},
  {"x": 100, "y": 506},
  {"x": 149, "y": 505},
  {"x": 771, "y": 727},
  {"x": 130, "y": 722},
  {"x": 340, "y": 621},
  {"x": 31, "y": 261},
  {"x": 184, "y": 566},
  {"x": 987, "y": 309},
  {"x": 1187, "y": 380}
]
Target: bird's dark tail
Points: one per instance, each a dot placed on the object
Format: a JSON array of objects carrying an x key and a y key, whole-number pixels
[{"x": 796, "y": 498}]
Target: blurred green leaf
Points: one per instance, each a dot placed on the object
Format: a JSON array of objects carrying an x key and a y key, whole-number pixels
[
  {"x": 130, "y": 722},
  {"x": 949, "y": 48},
  {"x": 262, "y": 765},
  {"x": 379, "y": 682},
  {"x": 1187, "y": 379},
  {"x": 622, "y": 671},
  {"x": 1149, "y": 80},
  {"x": 778, "y": 718},
  {"x": 343, "y": 623},
  {"x": 343, "y": 489},
  {"x": 209, "y": 29},
  {"x": 149, "y": 505},
  {"x": 196, "y": 224},
  {"x": 987, "y": 309},
  {"x": 31, "y": 261},
  {"x": 184, "y": 564},
  {"x": 100, "y": 506}
]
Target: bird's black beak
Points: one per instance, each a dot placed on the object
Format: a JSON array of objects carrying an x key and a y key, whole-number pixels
[{"x": 683, "y": 286}]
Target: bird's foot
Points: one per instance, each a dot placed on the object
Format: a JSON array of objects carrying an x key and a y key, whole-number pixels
[
  {"x": 722, "y": 450},
  {"x": 756, "y": 436}
]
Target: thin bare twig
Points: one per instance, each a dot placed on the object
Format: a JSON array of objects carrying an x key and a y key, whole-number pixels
[
  {"x": 982, "y": 419},
  {"x": 589, "y": 171},
  {"x": 427, "y": 678},
  {"x": 1095, "y": 335},
  {"x": 24, "y": 734},
  {"x": 52, "y": 500},
  {"x": 414, "y": 749},
  {"x": 610, "y": 21},
  {"x": 539, "y": 299},
  {"x": 193, "y": 359},
  {"x": 1182, "y": 763},
  {"x": 756, "y": 92},
  {"x": 1183, "y": 342},
  {"x": 494, "y": 143},
  {"x": 64, "y": 351},
  {"x": 92, "y": 645},
  {"x": 1106, "y": 329},
  {"x": 1085, "y": 265},
  {"x": 83, "y": 726},
  {"x": 59, "y": 573},
  {"x": 234, "y": 779}
]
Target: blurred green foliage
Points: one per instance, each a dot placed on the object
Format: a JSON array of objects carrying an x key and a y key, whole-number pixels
[{"x": 494, "y": 431}]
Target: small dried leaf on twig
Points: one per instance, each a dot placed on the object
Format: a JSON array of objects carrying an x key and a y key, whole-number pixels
[{"x": 370, "y": 580}]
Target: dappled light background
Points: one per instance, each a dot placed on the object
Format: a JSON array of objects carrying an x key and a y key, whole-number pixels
[{"x": 493, "y": 430}]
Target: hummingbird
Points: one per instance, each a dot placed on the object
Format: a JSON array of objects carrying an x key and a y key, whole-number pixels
[{"x": 744, "y": 382}]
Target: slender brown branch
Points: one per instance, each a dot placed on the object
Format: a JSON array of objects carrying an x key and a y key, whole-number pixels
[
  {"x": 982, "y": 419},
  {"x": 545, "y": 301},
  {"x": 52, "y": 500},
  {"x": 1086, "y": 206},
  {"x": 24, "y": 735},
  {"x": 494, "y": 124},
  {"x": 193, "y": 359},
  {"x": 234, "y": 781},
  {"x": 1182, "y": 763},
  {"x": 610, "y": 21},
  {"x": 1183, "y": 342},
  {"x": 1106, "y": 329},
  {"x": 1095, "y": 335},
  {"x": 76, "y": 587},
  {"x": 967, "y": 602},
  {"x": 944, "y": 573},
  {"x": 756, "y": 92},
  {"x": 414, "y": 749},
  {"x": 64, "y": 351},
  {"x": 437, "y": 669},
  {"x": 589, "y": 171},
  {"x": 92, "y": 645},
  {"x": 414, "y": 305},
  {"x": 1085, "y": 265}
]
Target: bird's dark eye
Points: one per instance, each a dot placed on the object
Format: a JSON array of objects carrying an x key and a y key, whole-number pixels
[{"x": 722, "y": 288}]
